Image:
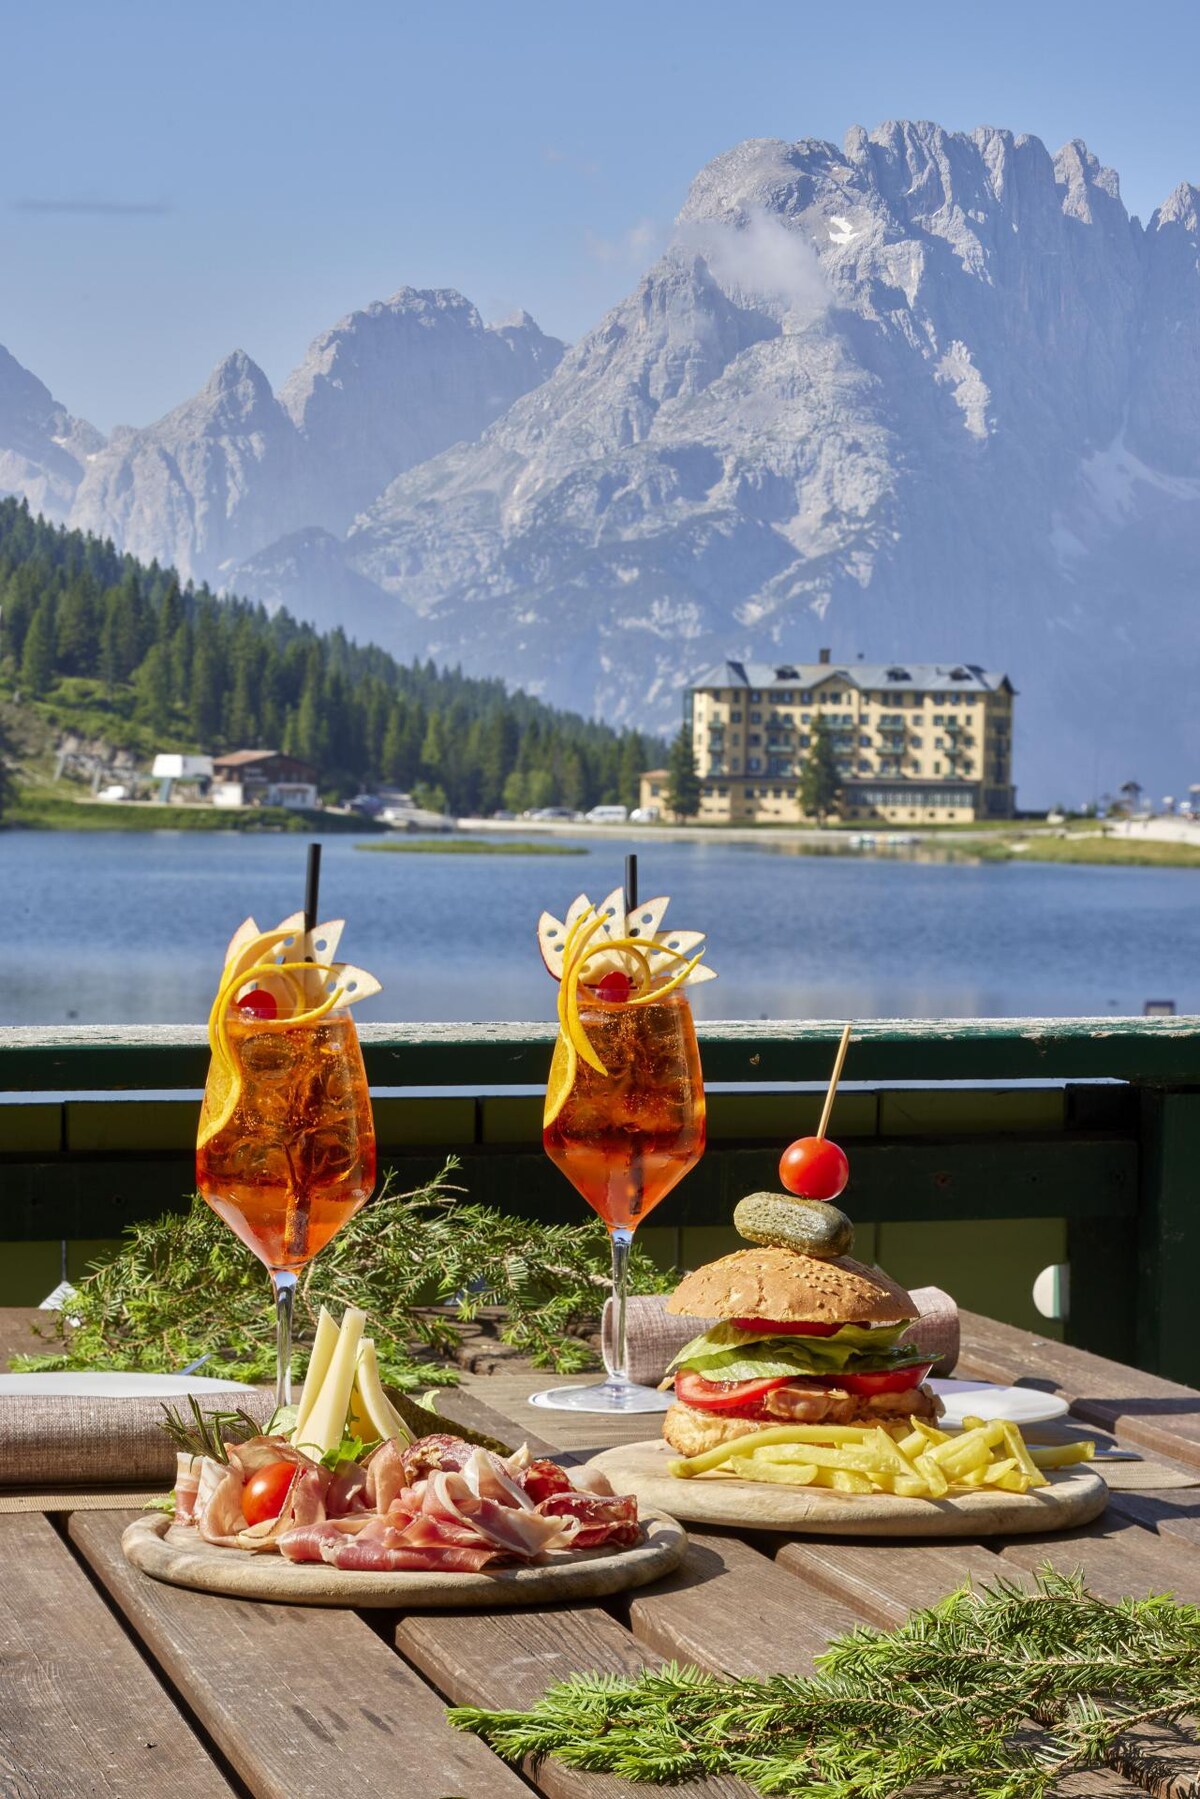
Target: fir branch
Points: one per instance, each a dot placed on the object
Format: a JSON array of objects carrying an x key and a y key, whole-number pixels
[
  {"x": 945, "y": 1701},
  {"x": 183, "y": 1287}
]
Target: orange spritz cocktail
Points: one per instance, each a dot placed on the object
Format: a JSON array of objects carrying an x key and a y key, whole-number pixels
[
  {"x": 624, "y": 1138},
  {"x": 296, "y": 1156},
  {"x": 285, "y": 1153},
  {"x": 624, "y": 1117}
]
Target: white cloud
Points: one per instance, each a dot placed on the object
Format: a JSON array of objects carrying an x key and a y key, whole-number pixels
[{"x": 760, "y": 259}]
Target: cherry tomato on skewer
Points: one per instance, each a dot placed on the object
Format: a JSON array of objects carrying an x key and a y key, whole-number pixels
[{"x": 814, "y": 1168}]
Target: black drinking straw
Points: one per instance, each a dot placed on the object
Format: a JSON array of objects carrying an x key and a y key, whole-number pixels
[
  {"x": 631, "y": 894},
  {"x": 295, "y": 1227},
  {"x": 312, "y": 887}
]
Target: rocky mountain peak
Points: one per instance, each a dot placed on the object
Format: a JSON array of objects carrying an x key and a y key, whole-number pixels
[{"x": 43, "y": 450}]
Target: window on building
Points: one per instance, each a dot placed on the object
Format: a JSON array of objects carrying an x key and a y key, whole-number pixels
[
  {"x": 754, "y": 698},
  {"x": 785, "y": 699},
  {"x": 722, "y": 793},
  {"x": 806, "y": 699},
  {"x": 756, "y": 718},
  {"x": 754, "y": 737},
  {"x": 754, "y": 763},
  {"x": 864, "y": 743},
  {"x": 937, "y": 768},
  {"x": 802, "y": 740},
  {"x": 916, "y": 742},
  {"x": 735, "y": 718},
  {"x": 779, "y": 793}
]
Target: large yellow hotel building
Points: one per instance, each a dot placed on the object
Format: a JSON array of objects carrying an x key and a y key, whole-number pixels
[{"x": 916, "y": 743}]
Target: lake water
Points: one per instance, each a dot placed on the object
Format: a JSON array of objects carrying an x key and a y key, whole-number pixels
[{"x": 108, "y": 928}]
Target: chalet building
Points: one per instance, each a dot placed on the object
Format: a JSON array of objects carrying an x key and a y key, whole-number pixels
[
  {"x": 916, "y": 743},
  {"x": 263, "y": 778}
]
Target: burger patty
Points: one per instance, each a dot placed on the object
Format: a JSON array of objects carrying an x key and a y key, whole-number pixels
[{"x": 819, "y": 1402}]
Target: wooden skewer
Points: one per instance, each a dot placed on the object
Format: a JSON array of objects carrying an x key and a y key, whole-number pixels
[{"x": 834, "y": 1078}]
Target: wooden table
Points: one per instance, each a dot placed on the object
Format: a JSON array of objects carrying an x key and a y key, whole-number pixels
[{"x": 113, "y": 1684}]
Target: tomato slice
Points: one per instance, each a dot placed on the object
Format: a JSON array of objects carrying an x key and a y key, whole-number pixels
[
  {"x": 884, "y": 1380},
  {"x": 722, "y": 1395},
  {"x": 264, "y": 1493},
  {"x": 786, "y": 1330}
]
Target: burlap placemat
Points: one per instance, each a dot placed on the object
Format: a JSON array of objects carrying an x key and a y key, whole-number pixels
[
  {"x": 53, "y": 1441},
  {"x": 655, "y": 1336}
]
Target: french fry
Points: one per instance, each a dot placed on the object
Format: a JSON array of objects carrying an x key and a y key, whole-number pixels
[
  {"x": 1015, "y": 1444},
  {"x": 1060, "y": 1455},
  {"x": 913, "y": 1461},
  {"x": 788, "y": 1474}
]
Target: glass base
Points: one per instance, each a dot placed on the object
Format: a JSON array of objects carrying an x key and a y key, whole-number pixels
[{"x": 604, "y": 1396}]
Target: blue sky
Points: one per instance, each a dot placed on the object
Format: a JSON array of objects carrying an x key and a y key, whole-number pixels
[{"x": 177, "y": 180}]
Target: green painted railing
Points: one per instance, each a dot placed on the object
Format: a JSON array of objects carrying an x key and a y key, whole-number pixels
[{"x": 973, "y": 1186}]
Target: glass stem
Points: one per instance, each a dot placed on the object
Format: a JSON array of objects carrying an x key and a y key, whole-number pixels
[
  {"x": 622, "y": 1241},
  {"x": 284, "y": 1283}
]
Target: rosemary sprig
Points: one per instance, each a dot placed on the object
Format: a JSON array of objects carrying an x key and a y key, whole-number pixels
[
  {"x": 208, "y": 1433},
  {"x": 182, "y": 1287},
  {"x": 944, "y": 1702}
]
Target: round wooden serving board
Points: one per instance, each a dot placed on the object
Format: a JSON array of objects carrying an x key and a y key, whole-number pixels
[
  {"x": 181, "y": 1557},
  {"x": 1074, "y": 1496}
]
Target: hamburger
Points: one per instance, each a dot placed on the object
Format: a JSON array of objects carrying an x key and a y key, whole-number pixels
[{"x": 800, "y": 1340}]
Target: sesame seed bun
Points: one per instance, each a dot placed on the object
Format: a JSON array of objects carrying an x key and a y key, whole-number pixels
[{"x": 790, "y": 1288}]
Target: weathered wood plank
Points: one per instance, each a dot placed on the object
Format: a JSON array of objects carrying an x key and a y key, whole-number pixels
[
  {"x": 300, "y": 1700},
  {"x": 1159, "y": 1050},
  {"x": 1119, "y": 1560},
  {"x": 880, "y": 1583},
  {"x": 509, "y": 1661},
  {"x": 727, "y": 1610},
  {"x": 80, "y": 1713},
  {"x": 1141, "y": 1409}
]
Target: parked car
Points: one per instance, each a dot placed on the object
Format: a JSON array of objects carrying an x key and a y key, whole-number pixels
[
  {"x": 644, "y": 815},
  {"x": 607, "y": 815}
]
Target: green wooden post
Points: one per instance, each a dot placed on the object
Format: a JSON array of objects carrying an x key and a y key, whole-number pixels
[{"x": 1168, "y": 1265}]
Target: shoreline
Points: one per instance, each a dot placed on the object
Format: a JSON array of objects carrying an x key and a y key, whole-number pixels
[{"x": 1148, "y": 843}]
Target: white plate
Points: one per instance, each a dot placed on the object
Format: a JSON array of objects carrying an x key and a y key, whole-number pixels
[
  {"x": 115, "y": 1386},
  {"x": 983, "y": 1399}
]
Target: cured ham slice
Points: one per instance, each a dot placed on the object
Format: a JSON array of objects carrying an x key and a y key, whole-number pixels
[
  {"x": 488, "y": 1477},
  {"x": 387, "y": 1475},
  {"x": 307, "y": 1542},
  {"x": 523, "y": 1534},
  {"x": 346, "y": 1493},
  {"x": 370, "y": 1554},
  {"x": 187, "y": 1486},
  {"x": 598, "y": 1520}
]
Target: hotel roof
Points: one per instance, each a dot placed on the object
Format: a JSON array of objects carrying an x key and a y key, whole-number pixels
[{"x": 920, "y": 677}]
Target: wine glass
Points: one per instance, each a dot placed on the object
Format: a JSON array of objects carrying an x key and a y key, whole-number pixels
[
  {"x": 624, "y": 1138},
  {"x": 285, "y": 1152}
]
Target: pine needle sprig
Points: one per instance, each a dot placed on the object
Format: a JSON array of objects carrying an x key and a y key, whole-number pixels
[
  {"x": 995, "y": 1693},
  {"x": 182, "y": 1288}
]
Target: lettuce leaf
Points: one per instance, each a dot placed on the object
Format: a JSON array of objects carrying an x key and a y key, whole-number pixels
[{"x": 729, "y": 1354}]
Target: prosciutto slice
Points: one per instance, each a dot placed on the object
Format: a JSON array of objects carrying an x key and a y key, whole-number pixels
[
  {"x": 523, "y": 1534},
  {"x": 187, "y": 1486}
]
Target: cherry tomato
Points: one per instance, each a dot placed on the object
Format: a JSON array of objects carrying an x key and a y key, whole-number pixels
[
  {"x": 814, "y": 1168},
  {"x": 615, "y": 987},
  {"x": 722, "y": 1395},
  {"x": 258, "y": 1003},
  {"x": 264, "y": 1493},
  {"x": 786, "y": 1330},
  {"x": 885, "y": 1380}
]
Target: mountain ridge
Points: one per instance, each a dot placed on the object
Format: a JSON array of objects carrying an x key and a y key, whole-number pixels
[{"x": 921, "y": 394}]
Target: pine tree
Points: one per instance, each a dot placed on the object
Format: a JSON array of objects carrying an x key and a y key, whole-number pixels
[
  {"x": 820, "y": 786},
  {"x": 152, "y": 685},
  {"x": 37, "y": 656},
  {"x": 683, "y": 781}
]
